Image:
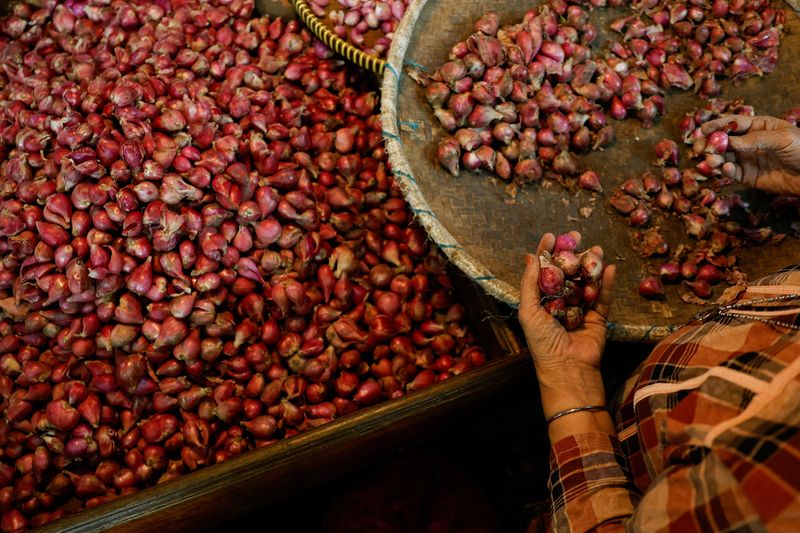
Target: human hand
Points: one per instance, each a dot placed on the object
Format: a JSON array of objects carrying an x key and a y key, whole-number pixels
[
  {"x": 767, "y": 150},
  {"x": 567, "y": 363}
]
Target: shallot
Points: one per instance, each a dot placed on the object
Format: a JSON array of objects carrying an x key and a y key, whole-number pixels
[
  {"x": 569, "y": 281},
  {"x": 650, "y": 287},
  {"x": 202, "y": 248},
  {"x": 538, "y": 82},
  {"x": 697, "y": 194}
]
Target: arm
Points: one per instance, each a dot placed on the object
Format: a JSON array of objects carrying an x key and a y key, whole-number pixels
[
  {"x": 589, "y": 486},
  {"x": 744, "y": 477}
]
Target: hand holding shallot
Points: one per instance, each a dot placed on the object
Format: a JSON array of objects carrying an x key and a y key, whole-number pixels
[
  {"x": 567, "y": 362},
  {"x": 767, "y": 149}
]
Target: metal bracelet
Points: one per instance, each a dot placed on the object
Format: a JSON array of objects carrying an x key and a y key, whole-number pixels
[{"x": 566, "y": 412}]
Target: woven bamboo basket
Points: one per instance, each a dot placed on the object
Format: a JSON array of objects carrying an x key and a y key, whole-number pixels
[
  {"x": 486, "y": 236},
  {"x": 338, "y": 45}
]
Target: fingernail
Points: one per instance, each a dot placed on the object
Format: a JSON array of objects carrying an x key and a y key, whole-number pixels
[{"x": 529, "y": 259}]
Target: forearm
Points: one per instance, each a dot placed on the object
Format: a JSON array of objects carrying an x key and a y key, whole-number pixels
[
  {"x": 588, "y": 471},
  {"x": 589, "y": 484}
]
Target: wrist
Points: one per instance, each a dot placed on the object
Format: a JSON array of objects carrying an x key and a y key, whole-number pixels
[
  {"x": 580, "y": 422},
  {"x": 565, "y": 390}
]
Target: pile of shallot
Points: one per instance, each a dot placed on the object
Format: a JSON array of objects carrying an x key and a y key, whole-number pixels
[
  {"x": 569, "y": 281},
  {"x": 518, "y": 101},
  {"x": 717, "y": 221},
  {"x": 201, "y": 249},
  {"x": 369, "y": 25}
]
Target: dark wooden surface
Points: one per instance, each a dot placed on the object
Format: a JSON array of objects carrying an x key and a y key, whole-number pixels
[
  {"x": 474, "y": 209},
  {"x": 493, "y": 458}
]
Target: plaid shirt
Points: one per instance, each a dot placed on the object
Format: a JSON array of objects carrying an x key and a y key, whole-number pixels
[{"x": 707, "y": 433}]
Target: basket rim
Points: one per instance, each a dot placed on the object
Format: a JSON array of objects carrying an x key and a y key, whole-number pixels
[
  {"x": 335, "y": 43},
  {"x": 424, "y": 215}
]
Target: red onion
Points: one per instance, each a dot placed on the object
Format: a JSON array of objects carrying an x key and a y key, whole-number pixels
[
  {"x": 565, "y": 164},
  {"x": 590, "y": 180},
  {"x": 568, "y": 293},
  {"x": 551, "y": 278},
  {"x": 700, "y": 288},
  {"x": 449, "y": 154},
  {"x": 556, "y": 307},
  {"x": 669, "y": 271},
  {"x": 639, "y": 216},
  {"x": 138, "y": 245},
  {"x": 591, "y": 266},
  {"x": 623, "y": 203},
  {"x": 61, "y": 415},
  {"x": 565, "y": 241},
  {"x": 567, "y": 262},
  {"x": 650, "y": 287},
  {"x": 667, "y": 152},
  {"x": 717, "y": 142},
  {"x": 709, "y": 273},
  {"x": 502, "y": 65},
  {"x": 591, "y": 292}
]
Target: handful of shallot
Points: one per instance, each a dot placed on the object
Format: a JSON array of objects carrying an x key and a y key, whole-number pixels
[{"x": 569, "y": 281}]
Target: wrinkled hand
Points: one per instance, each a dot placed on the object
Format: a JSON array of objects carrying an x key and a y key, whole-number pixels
[
  {"x": 766, "y": 148},
  {"x": 567, "y": 362}
]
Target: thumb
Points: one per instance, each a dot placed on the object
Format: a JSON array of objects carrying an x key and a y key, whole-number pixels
[
  {"x": 760, "y": 140},
  {"x": 529, "y": 289},
  {"x": 603, "y": 306}
]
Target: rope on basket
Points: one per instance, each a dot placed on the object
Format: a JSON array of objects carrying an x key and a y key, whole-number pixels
[{"x": 403, "y": 175}]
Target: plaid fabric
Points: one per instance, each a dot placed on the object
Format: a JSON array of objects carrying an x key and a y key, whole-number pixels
[{"x": 708, "y": 433}]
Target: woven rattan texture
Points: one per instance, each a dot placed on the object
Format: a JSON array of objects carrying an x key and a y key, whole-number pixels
[
  {"x": 338, "y": 45},
  {"x": 470, "y": 217}
]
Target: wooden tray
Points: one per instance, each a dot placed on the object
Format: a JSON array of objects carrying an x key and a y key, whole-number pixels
[
  {"x": 217, "y": 494},
  {"x": 468, "y": 216}
]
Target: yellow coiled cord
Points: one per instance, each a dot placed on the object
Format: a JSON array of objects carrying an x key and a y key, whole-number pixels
[{"x": 341, "y": 47}]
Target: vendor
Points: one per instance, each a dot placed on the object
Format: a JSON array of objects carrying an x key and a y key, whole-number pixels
[{"x": 707, "y": 432}]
